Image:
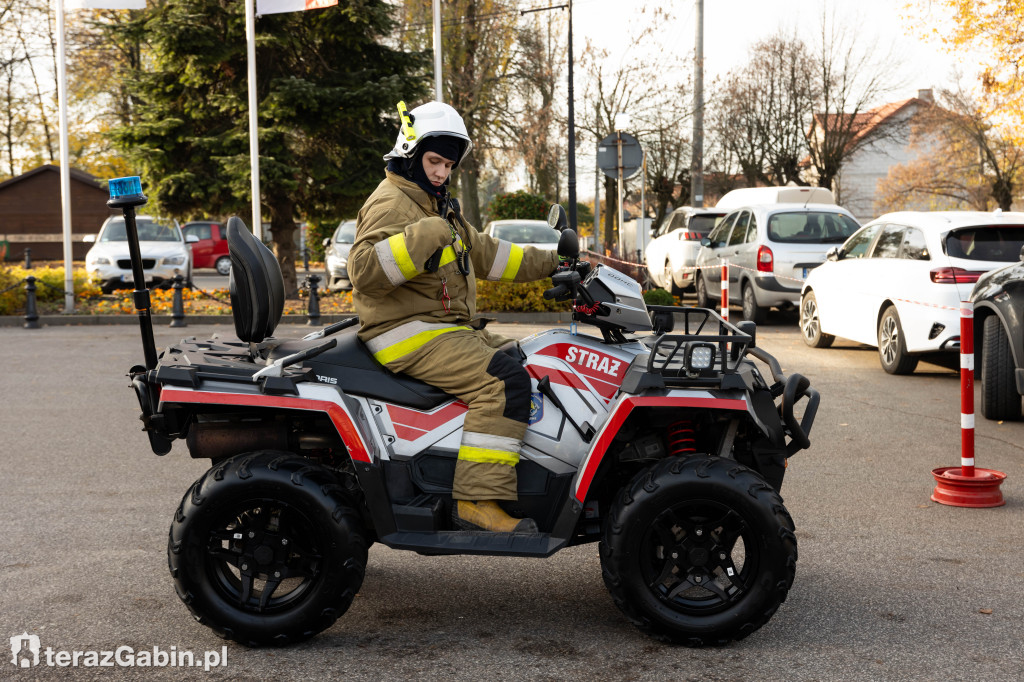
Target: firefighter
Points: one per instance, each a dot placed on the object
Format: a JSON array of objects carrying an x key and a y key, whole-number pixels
[{"x": 414, "y": 266}]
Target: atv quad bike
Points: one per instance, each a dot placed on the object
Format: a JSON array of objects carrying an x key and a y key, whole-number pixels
[{"x": 667, "y": 448}]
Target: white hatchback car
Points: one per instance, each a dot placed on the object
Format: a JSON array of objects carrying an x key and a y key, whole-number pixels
[
  {"x": 897, "y": 283},
  {"x": 672, "y": 253},
  {"x": 770, "y": 249},
  {"x": 165, "y": 252},
  {"x": 524, "y": 232}
]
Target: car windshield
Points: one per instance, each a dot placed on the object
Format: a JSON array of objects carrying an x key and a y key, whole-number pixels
[
  {"x": 703, "y": 224},
  {"x": 149, "y": 231},
  {"x": 526, "y": 233},
  {"x": 811, "y": 227},
  {"x": 346, "y": 233},
  {"x": 1001, "y": 243}
]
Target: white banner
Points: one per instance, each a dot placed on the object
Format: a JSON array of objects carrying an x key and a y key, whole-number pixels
[
  {"x": 104, "y": 4},
  {"x": 281, "y": 6}
]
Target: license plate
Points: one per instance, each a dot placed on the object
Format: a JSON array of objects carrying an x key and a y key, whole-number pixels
[
  {"x": 127, "y": 278},
  {"x": 806, "y": 270}
]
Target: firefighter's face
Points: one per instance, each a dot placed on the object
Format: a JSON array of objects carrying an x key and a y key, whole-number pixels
[{"x": 437, "y": 168}]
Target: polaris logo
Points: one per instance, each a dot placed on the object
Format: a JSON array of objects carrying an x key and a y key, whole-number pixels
[
  {"x": 592, "y": 360},
  {"x": 326, "y": 380}
]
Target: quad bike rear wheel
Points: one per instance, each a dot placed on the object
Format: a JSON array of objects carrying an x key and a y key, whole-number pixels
[
  {"x": 266, "y": 549},
  {"x": 698, "y": 550}
]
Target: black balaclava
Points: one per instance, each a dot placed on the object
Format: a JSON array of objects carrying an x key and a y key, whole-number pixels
[{"x": 446, "y": 145}]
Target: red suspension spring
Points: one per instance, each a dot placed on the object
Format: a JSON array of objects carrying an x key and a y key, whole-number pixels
[{"x": 682, "y": 437}]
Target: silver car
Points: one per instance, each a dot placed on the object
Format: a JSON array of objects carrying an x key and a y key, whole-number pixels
[
  {"x": 524, "y": 232},
  {"x": 336, "y": 251},
  {"x": 165, "y": 253},
  {"x": 770, "y": 249}
]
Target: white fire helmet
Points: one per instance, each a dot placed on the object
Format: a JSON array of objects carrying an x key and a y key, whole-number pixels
[{"x": 428, "y": 120}]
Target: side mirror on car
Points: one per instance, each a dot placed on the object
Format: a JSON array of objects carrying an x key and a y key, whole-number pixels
[
  {"x": 1022, "y": 254},
  {"x": 705, "y": 241},
  {"x": 833, "y": 253},
  {"x": 191, "y": 239},
  {"x": 89, "y": 239},
  {"x": 326, "y": 241}
]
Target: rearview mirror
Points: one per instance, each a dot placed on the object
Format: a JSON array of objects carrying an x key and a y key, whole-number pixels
[
  {"x": 833, "y": 254},
  {"x": 326, "y": 241},
  {"x": 191, "y": 239},
  {"x": 89, "y": 238},
  {"x": 705, "y": 241},
  {"x": 557, "y": 219},
  {"x": 568, "y": 243}
]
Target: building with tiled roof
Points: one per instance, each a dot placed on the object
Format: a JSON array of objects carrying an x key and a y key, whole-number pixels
[{"x": 881, "y": 140}]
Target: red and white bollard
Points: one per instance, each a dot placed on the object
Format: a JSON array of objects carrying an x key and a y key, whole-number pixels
[
  {"x": 965, "y": 485},
  {"x": 725, "y": 290}
]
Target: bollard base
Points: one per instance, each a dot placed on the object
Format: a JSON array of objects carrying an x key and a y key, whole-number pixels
[{"x": 956, "y": 490}]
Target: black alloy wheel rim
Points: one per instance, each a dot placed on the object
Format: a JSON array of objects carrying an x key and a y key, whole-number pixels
[
  {"x": 699, "y": 557},
  {"x": 263, "y": 557}
]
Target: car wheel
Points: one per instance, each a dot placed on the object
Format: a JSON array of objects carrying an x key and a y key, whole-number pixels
[
  {"x": 999, "y": 397},
  {"x": 698, "y": 551},
  {"x": 223, "y": 265},
  {"x": 702, "y": 291},
  {"x": 810, "y": 324},
  {"x": 892, "y": 349},
  {"x": 751, "y": 311},
  {"x": 265, "y": 549},
  {"x": 670, "y": 282}
]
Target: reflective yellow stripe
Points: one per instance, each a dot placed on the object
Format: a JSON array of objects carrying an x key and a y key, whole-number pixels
[
  {"x": 448, "y": 255},
  {"x": 401, "y": 255},
  {"x": 485, "y": 456},
  {"x": 515, "y": 259},
  {"x": 414, "y": 342}
]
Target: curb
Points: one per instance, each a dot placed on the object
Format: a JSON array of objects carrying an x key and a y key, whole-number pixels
[{"x": 165, "y": 320}]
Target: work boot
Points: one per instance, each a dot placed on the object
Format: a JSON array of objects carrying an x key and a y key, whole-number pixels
[{"x": 488, "y": 515}]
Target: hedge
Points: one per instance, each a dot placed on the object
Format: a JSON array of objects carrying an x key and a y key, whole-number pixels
[{"x": 49, "y": 288}]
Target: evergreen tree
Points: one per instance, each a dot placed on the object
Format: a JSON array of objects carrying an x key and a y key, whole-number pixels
[{"x": 327, "y": 87}]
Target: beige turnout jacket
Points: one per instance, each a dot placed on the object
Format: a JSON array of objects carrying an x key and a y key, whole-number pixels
[{"x": 398, "y": 230}]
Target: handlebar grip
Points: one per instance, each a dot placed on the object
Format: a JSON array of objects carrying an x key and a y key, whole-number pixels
[{"x": 555, "y": 292}]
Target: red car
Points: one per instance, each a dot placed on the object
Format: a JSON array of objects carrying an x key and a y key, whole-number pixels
[{"x": 211, "y": 251}]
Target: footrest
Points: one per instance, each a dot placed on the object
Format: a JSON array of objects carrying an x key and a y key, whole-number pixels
[{"x": 475, "y": 542}]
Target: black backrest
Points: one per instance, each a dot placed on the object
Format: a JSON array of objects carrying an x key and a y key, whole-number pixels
[{"x": 257, "y": 289}]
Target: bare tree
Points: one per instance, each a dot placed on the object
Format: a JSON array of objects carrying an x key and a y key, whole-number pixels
[
  {"x": 657, "y": 112},
  {"x": 849, "y": 77},
  {"x": 479, "y": 42}
]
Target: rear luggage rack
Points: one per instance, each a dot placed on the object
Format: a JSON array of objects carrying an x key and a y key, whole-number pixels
[{"x": 707, "y": 352}]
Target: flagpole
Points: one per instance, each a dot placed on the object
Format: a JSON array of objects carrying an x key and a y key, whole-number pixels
[
  {"x": 254, "y": 142},
  {"x": 65, "y": 168},
  {"x": 437, "y": 51}
]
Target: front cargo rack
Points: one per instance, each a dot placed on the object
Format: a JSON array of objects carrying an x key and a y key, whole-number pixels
[{"x": 696, "y": 346}]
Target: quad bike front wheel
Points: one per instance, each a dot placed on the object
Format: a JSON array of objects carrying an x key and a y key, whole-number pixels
[
  {"x": 698, "y": 550},
  {"x": 266, "y": 549}
]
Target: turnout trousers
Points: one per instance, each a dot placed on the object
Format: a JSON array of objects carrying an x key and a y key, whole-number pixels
[{"x": 473, "y": 366}]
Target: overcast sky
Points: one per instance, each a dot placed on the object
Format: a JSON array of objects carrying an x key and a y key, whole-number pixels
[{"x": 732, "y": 26}]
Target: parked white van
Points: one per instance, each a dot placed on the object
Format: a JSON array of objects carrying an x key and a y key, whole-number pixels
[{"x": 775, "y": 195}]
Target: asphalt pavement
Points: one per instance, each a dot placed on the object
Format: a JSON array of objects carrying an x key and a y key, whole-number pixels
[{"x": 889, "y": 585}]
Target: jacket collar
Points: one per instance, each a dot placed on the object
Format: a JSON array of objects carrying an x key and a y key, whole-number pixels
[{"x": 414, "y": 192}]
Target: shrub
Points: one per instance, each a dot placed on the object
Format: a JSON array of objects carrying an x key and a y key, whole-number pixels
[
  {"x": 525, "y": 297},
  {"x": 658, "y": 297},
  {"x": 519, "y": 204},
  {"x": 316, "y": 233},
  {"x": 49, "y": 288}
]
